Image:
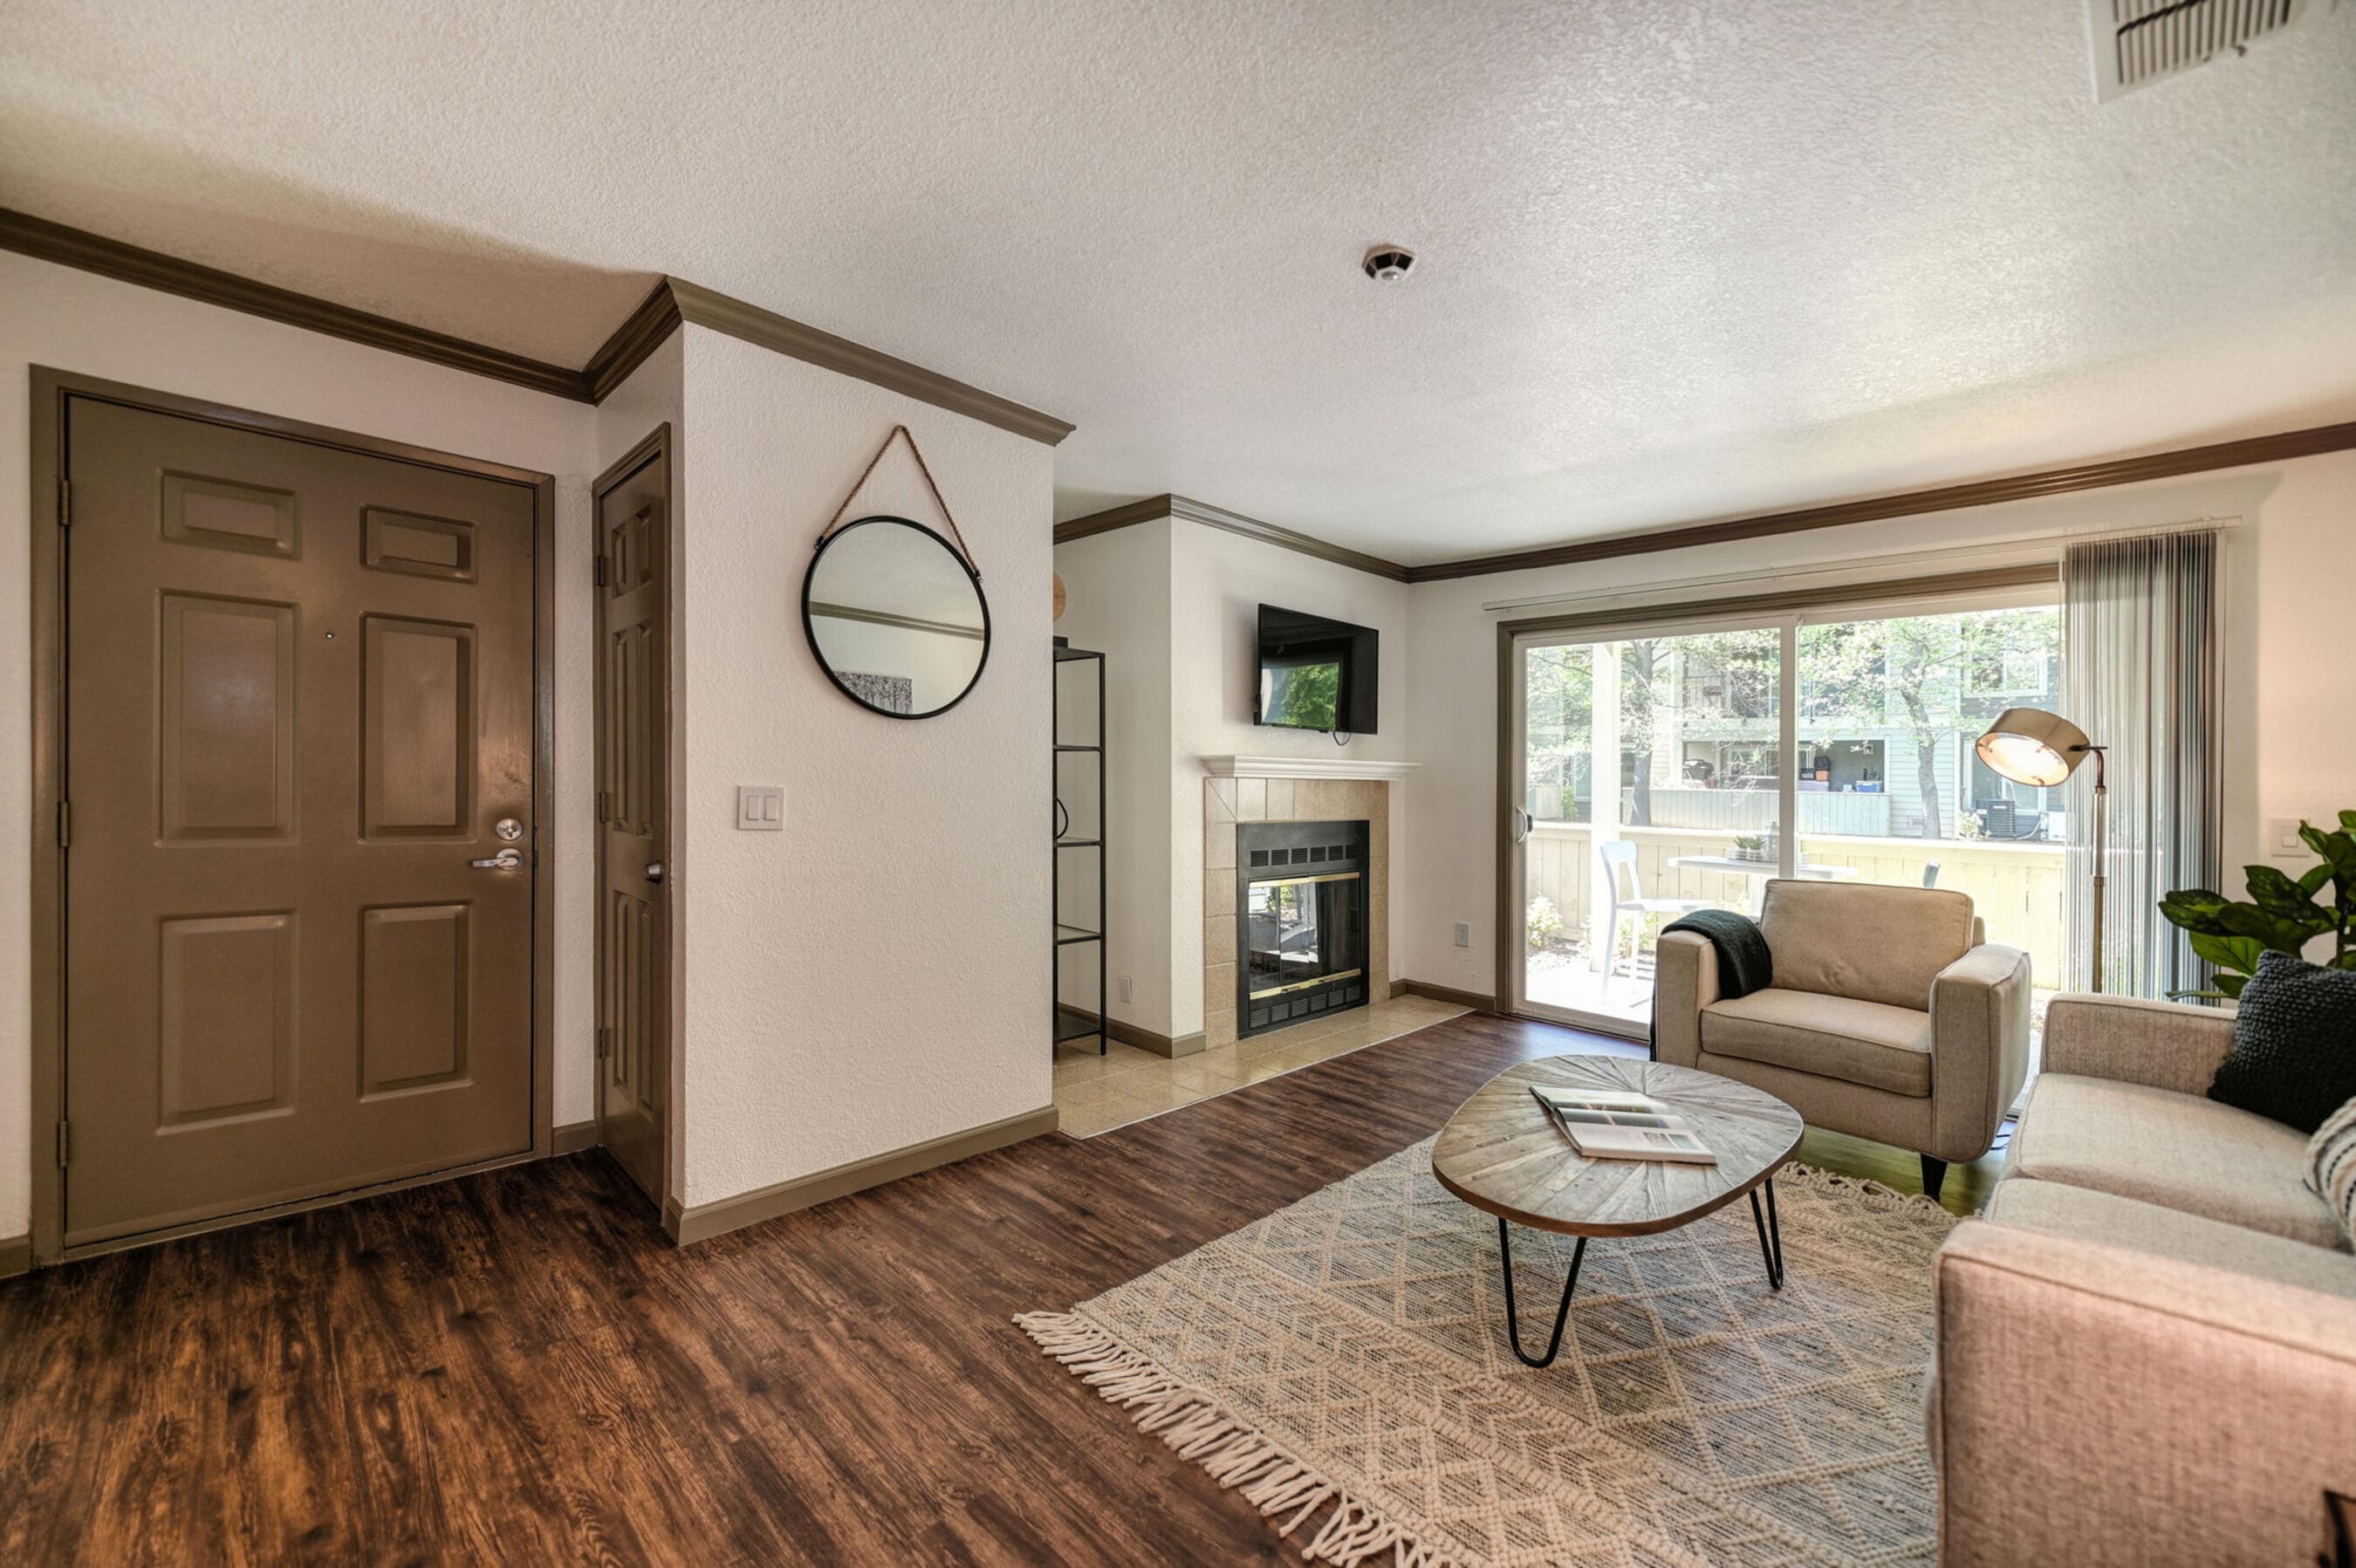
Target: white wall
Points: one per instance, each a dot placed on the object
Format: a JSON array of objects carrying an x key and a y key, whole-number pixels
[
  {"x": 1218, "y": 581},
  {"x": 876, "y": 974},
  {"x": 1116, "y": 593},
  {"x": 71, "y": 320},
  {"x": 2290, "y": 750}
]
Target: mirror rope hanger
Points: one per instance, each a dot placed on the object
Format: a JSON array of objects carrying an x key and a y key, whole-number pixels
[{"x": 900, "y": 432}]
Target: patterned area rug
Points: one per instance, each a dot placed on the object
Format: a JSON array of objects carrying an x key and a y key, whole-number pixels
[{"x": 1344, "y": 1361}]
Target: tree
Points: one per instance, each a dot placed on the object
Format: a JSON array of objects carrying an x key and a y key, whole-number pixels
[{"x": 1921, "y": 674}]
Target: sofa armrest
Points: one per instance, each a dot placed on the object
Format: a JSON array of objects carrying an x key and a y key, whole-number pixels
[
  {"x": 2161, "y": 1045},
  {"x": 1979, "y": 1048},
  {"x": 1684, "y": 981},
  {"x": 2096, "y": 1406}
]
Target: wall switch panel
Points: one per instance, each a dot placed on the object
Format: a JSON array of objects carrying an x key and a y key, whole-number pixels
[
  {"x": 1464, "y": 933},
  {"x": 760, "y": 807},
  {"x": 2284, "y": 832}
]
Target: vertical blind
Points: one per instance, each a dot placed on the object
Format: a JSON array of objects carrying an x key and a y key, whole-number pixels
[{"x": 2143, "y": 676}]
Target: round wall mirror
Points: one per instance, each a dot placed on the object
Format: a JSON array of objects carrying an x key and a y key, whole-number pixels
[{"x": 895, "y": 617}]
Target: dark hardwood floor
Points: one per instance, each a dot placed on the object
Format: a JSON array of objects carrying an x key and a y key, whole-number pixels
[{"x": 517, "y": 1367}]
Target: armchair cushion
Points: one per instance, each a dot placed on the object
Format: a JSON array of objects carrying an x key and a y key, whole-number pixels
[
  {"x": 1868, "y": 1043},
  {"x": 2178, "y": 1151},
  {"x": 1862, "y": 940}
]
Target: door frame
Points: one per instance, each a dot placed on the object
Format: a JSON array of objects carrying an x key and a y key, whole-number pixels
[
  {"x": 673, "y": 761},
  {"x": 51, "y": 389},
  {"x": 1783, "y": 608}
]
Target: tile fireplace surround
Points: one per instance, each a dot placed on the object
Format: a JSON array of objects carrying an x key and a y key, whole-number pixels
[{"x": 1239, "y": 790}]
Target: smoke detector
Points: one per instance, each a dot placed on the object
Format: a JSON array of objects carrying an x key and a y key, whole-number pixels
[
  {"x": 2138, "y": 42},
  {"x": 1389, "y": 263}
]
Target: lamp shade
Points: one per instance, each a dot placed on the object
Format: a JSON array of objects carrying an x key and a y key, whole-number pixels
[{"x": 2029, "y": 745}]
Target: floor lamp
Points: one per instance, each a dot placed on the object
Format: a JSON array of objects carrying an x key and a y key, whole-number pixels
[{"x": 2029, "y": 745}]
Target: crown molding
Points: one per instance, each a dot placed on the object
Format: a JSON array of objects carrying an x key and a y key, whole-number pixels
[
  {"x": 639, "y": 335},
  {"x": 48, "y": 241},
  {"x": 1185, "y": 507},
  {"x": 2309, "y": 443},
  {"x": 797, "y": 340},
  {"x": 671, "y": 301}
]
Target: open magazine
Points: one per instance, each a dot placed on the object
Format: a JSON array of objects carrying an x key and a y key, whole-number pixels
[{"x": 1614, "y": 1124}]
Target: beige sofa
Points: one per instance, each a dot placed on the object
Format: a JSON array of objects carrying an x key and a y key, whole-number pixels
[
  {"x": 2146, "y": 1347},
  {"x": 1889, "y": 1018}
]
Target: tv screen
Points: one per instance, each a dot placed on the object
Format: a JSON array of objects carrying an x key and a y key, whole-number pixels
[{"x": 1316, "y": 673}]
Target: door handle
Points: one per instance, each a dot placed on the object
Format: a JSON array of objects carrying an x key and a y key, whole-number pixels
[
  {"x": 1521, "y": 824},
  {"x": 506, "y": 859},
  {"x": 654, "y": 870}
]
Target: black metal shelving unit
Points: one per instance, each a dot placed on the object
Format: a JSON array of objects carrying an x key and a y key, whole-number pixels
[{"x": 1071, "y": 1024}]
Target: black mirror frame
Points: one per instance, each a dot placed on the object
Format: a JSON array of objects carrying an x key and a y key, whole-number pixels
[{"x": 809, "y": 631}]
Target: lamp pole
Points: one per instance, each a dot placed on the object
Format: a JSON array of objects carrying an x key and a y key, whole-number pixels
[{"x": 2102, "y": 830}]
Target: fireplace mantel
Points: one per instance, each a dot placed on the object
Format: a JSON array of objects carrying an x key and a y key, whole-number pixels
[{"x": 1303, "y": 767}]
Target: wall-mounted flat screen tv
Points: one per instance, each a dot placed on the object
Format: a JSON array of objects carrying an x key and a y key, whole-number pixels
[{"x": 1316, "y": 673}]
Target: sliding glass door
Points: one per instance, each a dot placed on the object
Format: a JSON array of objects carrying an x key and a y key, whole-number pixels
[
  {"x": 1663, "y": 768},
  {"x": 1650, "y": 769}
]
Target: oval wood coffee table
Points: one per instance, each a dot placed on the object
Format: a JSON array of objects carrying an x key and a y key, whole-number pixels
[{"x": 1503, "y": 1153}]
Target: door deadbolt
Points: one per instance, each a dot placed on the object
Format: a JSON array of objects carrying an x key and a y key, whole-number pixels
[{"x": 508, "y": 829}]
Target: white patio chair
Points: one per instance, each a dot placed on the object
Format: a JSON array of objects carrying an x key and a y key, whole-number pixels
[{"x": 1628, "y": 900}]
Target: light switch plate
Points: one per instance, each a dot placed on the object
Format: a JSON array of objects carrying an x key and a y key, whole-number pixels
[
  {"x": 1464, "y": 933},
  {"x": 2284, "y": 833},
  {"x": 760, "y": 807}
]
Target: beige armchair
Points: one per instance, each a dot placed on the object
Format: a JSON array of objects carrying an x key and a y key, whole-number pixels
[{"x": 1889, "y": 1017}]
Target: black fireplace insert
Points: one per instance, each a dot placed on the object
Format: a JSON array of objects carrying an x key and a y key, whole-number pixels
[{"x": 1301, "y": 921}]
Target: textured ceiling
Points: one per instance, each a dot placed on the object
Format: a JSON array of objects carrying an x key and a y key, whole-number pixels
[{"x": 1680, "y": 260}]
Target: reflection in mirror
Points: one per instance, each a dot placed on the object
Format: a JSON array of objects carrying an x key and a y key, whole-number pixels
[{"x": 895, "y": 617}]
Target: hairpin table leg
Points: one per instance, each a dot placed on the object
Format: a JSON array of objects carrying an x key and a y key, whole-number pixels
[
  {"x": 1771, "y": 1235},
  {"x": 1562, "y": 1313}
]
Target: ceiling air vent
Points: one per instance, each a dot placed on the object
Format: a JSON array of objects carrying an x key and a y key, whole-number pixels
[{"x": 2137, "y": 42}]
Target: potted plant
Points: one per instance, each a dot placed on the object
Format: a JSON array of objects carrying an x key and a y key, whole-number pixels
[{"x": 2283, "y": 913}]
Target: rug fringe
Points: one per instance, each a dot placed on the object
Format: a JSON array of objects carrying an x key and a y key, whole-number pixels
[{"x": 1236, "y": 1454}]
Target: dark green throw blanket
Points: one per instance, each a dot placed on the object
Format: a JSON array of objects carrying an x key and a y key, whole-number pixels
[{"x": 1744, "y": 964}]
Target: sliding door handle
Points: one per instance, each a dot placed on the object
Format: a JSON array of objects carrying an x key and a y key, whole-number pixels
[{"x": 1521, "y": 824}]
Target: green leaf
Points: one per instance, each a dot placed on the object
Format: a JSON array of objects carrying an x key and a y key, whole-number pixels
[
  {"x": 2231, "y": 984},
  {"x": 2347, "y": 821},
  {"x": 2197, "y": 995},
  {"x": 2229, "y": 952},
  {"x": 2337, "y": 849},
  {"x": 2277, "y": 893},
  {"x": 2282, "y": 933},
  {"x": 2312, "y": 882},
  {"x": 2195, "y": 909}
]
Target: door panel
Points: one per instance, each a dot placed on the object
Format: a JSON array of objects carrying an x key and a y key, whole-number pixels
[
  {"x": 634, "y": 810},
  {"x": 299, "y": 694}
]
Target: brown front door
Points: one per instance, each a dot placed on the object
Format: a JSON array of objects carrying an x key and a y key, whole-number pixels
[
  {"x": 298, "y": 705},
  {"x": 633, "y": 810}
]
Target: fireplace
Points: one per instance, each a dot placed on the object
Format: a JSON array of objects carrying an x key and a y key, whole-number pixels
[{"x": 1302, "y": 900}]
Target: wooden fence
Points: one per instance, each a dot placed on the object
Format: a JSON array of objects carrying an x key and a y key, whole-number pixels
[{"x": 2017, "y": 889}]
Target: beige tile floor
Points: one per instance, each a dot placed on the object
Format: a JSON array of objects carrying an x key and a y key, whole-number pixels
[{"x": 1096, "y": 1093}]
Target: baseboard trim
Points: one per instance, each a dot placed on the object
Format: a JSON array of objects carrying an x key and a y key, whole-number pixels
[
  {"x": 16, "y": 1256},
  {"x": 706, "y": 1220},
  {"x": 1479, "y": 1001},
  {"x": 572, "y": 1137},
  {"x": 1145, "y": 1040}
]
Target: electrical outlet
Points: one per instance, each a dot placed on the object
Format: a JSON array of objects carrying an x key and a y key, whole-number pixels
[
  {"x": 2284, "y": 832},
  {"x": 1124, "y": 988},
  {"x": 1464, "y": 933}
]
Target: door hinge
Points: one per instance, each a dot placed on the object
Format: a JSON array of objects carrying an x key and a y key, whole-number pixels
[
  {"x": 65, "y": 824},
  {"x": 605, "y": 1041},
  {"x": 65, "y": 501},
  {"x": 601, "y": 571},
  {"x": 64, "y": 1144},
  {"x": 605, "y": 804}
]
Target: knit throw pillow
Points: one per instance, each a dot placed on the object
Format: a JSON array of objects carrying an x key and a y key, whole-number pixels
[
  {"x": 2332, "y": 1166},
  {"x": 2294, "y": 1056}
]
